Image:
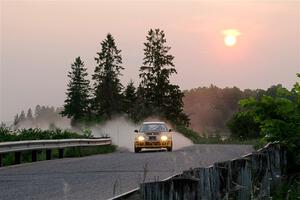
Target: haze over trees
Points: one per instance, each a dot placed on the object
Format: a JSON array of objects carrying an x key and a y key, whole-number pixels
[
  {"x": 210, "y": 108},
  {"x": 207, "y": 110},
  {"x": 44, "y": 117}
]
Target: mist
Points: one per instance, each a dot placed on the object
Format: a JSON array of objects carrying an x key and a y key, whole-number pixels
[
  {"x": 122, "y": 133},
  {"x": 120, "y": 129},
  {"x": 59, "y": 122}
]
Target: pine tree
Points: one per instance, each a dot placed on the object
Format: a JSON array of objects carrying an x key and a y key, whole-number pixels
[
  {"x": 107, "y": 89},
  {"x": 173, "y": 106},
  {"x": 130, "y": 98},
  {"x": 22, "y": 116},
  {"x": 140, "y": 109},
  {"x": 160, "y": 96},
  {"x": 77, "y": 102},
  {"x": 29, "y": 114},
  {"x": 16, "y": 120},
  {"x": 37, "y": 111}
]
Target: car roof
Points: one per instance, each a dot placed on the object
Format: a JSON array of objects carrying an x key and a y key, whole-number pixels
[{"x": 153, "y": 122}]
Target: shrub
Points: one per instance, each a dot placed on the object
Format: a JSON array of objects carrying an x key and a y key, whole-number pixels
[
  {"x": 7, "y": 134},
  {"x": 276, "y": 118}
]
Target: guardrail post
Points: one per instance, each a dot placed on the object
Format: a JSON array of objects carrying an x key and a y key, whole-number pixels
[
  {"x": 60, "y": 153},
  {"x": 1, "y": 164},
  {"x": 48, "y": 154},
  {"x": 33, "y": 155},
  {"x": 17, "y": 157}
]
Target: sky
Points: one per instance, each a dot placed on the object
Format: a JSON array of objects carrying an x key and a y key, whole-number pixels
[{"x": 40, "y": 40}]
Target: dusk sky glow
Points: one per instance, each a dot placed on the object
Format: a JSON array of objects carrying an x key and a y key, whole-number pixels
[{"x": 40, "y": 40}]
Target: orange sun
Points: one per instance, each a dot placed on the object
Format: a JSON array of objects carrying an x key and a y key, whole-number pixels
[{"x": 230, "y": 36}]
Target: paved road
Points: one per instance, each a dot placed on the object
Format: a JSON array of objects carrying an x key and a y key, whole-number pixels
[{"x": 102, "y": 176}]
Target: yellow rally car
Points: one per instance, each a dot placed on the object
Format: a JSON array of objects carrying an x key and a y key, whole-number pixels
[{"x": 153, "y": 135}]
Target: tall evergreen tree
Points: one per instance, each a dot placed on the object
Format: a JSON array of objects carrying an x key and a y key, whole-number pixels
[
  {"x": 16, "y": 120},
  {"x": 107, "y": 99},
  {"x": 22, "y": 116},
  {"x": 37, "y": 111},
  {"x": 141, "y": 109},
  {"x": 77, "y": 102},
  {"x": 159, "y": 94},
  {"x": 29, "y": 114}
]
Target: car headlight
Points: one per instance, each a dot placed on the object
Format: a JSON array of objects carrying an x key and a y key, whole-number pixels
[
  {"x": 141, "y": 138},
  {"x": 163, "y": 138}
]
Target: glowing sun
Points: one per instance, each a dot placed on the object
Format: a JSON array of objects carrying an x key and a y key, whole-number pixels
[{"x": 230, "y": 36}]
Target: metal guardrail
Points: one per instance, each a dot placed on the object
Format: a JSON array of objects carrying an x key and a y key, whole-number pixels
[
  {"x": 29, "y": 145},
  {"x": 33, "y": 145}
]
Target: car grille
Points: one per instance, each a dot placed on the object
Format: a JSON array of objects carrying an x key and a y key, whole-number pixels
[
  {"x": 152, "y": 137},
  {"x": 152, "y": 134}
]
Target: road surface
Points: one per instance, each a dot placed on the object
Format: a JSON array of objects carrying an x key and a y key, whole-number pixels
[{"x": 102, "y": 176}]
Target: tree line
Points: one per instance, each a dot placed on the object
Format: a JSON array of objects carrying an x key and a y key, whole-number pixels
[
  {"x": 41, "y": 116},
  {"x": 106, "y": 96},
  {"x": 210, "y": 108}
]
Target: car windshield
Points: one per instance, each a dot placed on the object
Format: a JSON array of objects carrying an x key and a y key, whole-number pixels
[{"x": 153, "y": 127}]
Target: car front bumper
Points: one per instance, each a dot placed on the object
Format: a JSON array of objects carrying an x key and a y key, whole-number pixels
[{"x": 153, "y": 144}]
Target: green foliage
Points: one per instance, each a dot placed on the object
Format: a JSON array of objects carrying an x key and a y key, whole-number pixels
[
  {"x": 243, "y": 126},
  {"x": 76, "y": 104},
  {"x": 87, "y": 132},
  {"x": 7, "y": 134},
  {"x": 107, "y": 97},
  {"x": 276, "y": 118},
  {"x": 289, "y": 190}
]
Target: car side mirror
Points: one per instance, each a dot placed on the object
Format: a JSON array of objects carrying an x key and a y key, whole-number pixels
[
  {"x": 170, "y": 130},
  {"x": 136, "y": 131}
]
